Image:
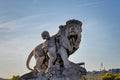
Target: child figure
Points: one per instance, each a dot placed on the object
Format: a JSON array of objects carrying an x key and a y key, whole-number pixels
[{"x": 49, "y": 48}]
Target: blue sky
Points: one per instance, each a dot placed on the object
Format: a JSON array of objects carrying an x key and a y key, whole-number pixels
[{"x": 22, "y": 21}]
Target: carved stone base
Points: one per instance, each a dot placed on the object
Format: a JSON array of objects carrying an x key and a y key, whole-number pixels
[{"x": 75, "y": 72}]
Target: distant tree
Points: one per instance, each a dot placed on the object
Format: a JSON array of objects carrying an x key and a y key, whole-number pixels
[
  {"x": 117, "y": 77},
  {"x": 15, "y": 77},
  {"x": 109, "y": 76},
  {"x": 85, "y": 78}
]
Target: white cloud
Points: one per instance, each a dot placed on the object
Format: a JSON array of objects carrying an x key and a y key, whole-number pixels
[
  {"x": 93, "y": 3},
  {"x": 14, "y": 52},
  {"x": 14, "y": 25}
]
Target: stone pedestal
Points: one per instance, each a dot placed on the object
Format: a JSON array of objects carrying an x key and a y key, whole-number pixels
[{"x": 75, "y": 72}]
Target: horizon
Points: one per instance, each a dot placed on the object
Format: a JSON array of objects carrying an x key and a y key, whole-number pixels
[{"x": 21, "y": 23}]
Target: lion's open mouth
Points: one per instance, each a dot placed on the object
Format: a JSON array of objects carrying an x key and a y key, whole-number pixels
[{"x": 73, "y": 38}]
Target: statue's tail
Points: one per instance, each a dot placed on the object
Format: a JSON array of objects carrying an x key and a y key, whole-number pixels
[{"x": 28, "y": 60}]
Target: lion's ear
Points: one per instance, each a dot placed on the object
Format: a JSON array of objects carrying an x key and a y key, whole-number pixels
[
  {"x": 61, "y": 27},
  {"x": 81, "y": 29},
  {"x": 80, "y": 24}
]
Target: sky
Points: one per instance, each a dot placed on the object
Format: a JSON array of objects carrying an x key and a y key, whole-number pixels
[{"x": 22, "y": 21}]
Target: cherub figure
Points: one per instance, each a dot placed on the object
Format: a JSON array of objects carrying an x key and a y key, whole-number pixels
[{"x": 49, "y": 48}]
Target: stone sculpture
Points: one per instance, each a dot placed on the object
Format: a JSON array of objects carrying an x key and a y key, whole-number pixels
[
  {"x": 49, "y": 47},
  {"x": 52, "y": 56}
]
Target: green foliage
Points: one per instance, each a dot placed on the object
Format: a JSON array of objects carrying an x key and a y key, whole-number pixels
[
  {"x": 109, "y": 76},
  {"x": 15, "y": 77},
  {"x": 84, "y": 77},
  {"x": 117, "y": 77}
]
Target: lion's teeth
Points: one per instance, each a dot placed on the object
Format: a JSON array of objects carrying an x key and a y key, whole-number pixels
[{"x": 73, "y": 39}]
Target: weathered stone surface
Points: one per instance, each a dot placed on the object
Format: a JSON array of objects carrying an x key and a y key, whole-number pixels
[{"x": 73, "y": 73}]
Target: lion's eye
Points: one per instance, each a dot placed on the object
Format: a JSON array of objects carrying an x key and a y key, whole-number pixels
[
  {"x": 75, "y": 25},
  {"x": 71, "y": 25}
]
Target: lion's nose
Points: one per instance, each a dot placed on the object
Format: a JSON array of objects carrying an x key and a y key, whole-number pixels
[{"x": 72, "y": 28}]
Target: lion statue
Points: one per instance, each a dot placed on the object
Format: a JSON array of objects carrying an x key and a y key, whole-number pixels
[
  {"x": 67, "y": 41},
  {"x": 70, "y": 38}
]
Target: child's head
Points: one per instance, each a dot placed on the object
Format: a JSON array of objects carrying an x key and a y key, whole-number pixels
[{"x": 45, "y": 35}]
